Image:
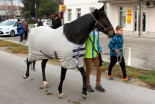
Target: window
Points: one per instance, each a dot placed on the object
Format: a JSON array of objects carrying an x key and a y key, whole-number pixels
[
  {"x": 136, "y": 18},
  {"x": 78, "y": 11},
  {"x": 91, "y": 9},
  {"x": 69, "y": 14},
  {"x": 122, "y": 16}
]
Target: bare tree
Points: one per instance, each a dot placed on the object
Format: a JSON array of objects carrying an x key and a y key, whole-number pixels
[{"x": 11, "y": 9}]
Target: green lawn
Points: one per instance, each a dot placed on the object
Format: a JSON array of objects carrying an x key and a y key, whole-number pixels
[{"x": 31, "y": 25}]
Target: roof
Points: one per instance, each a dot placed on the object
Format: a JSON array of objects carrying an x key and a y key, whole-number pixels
[{"x": 3, "y": 7}]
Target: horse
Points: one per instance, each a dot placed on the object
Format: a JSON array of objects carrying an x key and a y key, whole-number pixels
[{"x": 66, "y": 43}]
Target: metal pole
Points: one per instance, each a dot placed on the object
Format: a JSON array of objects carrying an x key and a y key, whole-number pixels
[
  {"x": 12, "y": 8},
  {"x": 140, "y": 17},
  {"x": 62, "y": 13},
  {"x": 1, "y": 11},
  {"x": 5, "y": 9},
  {"x": 35, "y": 10}
]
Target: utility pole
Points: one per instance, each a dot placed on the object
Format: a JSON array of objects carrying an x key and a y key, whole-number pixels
[
  {"x": 11, "y": 8},
  {"x": 35, "y": 9},
  {"x": 140, "y": 17},
  {"x": 62, "y": 13},
  {"x": 1, "y": 13},
  {"x": 5, "y": 9}
]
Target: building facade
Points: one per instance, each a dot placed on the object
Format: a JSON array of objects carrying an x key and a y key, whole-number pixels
[
  {"x": 77, "y": 8},
  {"x": 9, "y": 12},
  {"x": 117, "y": 11}
]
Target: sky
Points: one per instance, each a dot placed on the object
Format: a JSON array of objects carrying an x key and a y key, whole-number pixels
[{"x": 17, "y": 2}]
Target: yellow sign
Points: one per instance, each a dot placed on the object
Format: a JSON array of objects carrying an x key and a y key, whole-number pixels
[
  {"x": 129, "y": 14},
  {"x": 129, "y": 11},
  {"x": 63, "y": 8}
]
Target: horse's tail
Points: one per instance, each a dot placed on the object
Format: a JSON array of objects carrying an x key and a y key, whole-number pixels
[{"x": 33, "y": 65}]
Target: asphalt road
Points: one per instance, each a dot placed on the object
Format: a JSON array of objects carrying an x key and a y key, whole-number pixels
[
  {"x": 16, "y": 90},
  {"x": 142, "y": 50}
]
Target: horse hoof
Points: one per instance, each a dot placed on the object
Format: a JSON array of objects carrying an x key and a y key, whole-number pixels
[
  {"x": 24, "y": 77},
  {"x": 84, "y": 96},
  {"x": 46, "y": 85},
  {"x": 61, "y": 96}
]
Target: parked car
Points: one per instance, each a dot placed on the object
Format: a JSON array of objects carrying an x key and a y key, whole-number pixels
[
  {"x": 8, "y": 27},
  {"x": 46, "y": 22}
]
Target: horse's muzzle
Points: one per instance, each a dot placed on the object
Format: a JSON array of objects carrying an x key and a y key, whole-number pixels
[{"x": 111, "y": 35}]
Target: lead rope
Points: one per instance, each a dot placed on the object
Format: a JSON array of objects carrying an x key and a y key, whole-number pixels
[{"x": 119, "y": 56}]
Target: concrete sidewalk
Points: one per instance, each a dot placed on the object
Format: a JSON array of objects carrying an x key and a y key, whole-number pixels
[
  {"x": 16, "y": 90},
  {"x": 136, "y": 35}
]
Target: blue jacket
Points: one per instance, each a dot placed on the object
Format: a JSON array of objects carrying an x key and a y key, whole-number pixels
[
  {"x": 116, "y": 43},
  {"x": 20, "y": 28}
]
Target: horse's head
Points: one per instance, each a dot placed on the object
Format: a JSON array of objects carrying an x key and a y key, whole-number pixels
[{"x": 102, "y": 22}]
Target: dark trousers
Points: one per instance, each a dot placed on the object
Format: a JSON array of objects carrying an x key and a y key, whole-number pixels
[
  {"x": 21, "y": 37},
  {"x": 113, "y": 60},
  {"x": 26, "y": 34}
]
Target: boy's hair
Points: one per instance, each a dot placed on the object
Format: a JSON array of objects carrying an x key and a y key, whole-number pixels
[
  {"x": 56, "y": 15},
  {"x": 118, "y": 27}
]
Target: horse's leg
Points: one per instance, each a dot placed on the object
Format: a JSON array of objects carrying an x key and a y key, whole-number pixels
[
  {"x": 43, "y": 65},
  {"x": 27, "y": 71},
  {"x": 62, "y": 78},
  {"x": 83, "y": 73}
]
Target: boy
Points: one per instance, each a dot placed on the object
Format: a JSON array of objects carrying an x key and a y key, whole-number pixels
[{"x": 116, "y": 53}]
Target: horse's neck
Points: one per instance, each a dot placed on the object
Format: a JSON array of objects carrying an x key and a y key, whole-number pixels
[{"x": 81, "y": 37}]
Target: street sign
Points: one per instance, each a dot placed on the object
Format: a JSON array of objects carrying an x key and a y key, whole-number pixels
[
  {"x": 129, "y": 14},
  {"x": 62, "y": 8}
]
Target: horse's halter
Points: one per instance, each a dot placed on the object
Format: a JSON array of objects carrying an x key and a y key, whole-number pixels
[{"x": 97, "y": 22}]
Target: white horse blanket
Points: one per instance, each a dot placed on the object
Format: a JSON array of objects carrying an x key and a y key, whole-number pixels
[{"x": 45, "y": 42}]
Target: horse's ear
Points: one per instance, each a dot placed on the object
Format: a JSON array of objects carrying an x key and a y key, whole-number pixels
[
  {"x": 96, "y": 13},
  {"x": 102, "y": 8}
]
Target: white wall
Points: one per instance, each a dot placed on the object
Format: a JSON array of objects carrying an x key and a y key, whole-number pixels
[
  {"x": 83, "y": 4},
  {"x": 150, "y": 20},
  {"x": 114, "y": 15}
]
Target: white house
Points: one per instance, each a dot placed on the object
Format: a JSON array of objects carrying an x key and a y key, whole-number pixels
[
  {"x": 117, "y": 11},
  {"x": 7, "y": 11},
  {"x": 76, "y": 8}
]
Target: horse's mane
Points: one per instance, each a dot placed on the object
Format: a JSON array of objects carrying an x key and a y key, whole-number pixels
[{"x": 78, "y": 27}]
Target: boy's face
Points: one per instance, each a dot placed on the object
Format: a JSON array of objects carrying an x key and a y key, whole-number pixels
[
  {"x": 38, "y": 20},
  {"x": 120, "y": 31}
]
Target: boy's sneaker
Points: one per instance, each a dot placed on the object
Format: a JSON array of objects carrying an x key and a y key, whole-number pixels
[
  {"x": 127, "y": 79},
  {"x": 100, "y": 88},
  {"x": 89, "y": 89},
  {"x": 110, "y": 77}
]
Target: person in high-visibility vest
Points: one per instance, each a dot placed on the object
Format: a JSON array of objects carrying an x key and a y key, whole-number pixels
[{"x": 91, "y": 56}]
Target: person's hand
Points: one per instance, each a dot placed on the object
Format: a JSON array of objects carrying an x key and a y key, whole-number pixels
[
  {"x": 116, "y": 50},
  {"x": 100, "y": 53}
]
